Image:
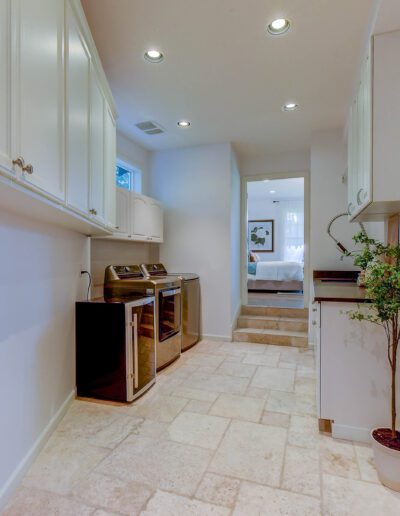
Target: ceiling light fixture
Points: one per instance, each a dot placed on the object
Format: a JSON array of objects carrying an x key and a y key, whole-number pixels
[
  {"x": 154, "y": 56},
  {"x": 279, "y": 26},
  {"x": 290, "y": 106},
  {"x": 272, "y": 191},
  {"x": 184, "y": 123}
]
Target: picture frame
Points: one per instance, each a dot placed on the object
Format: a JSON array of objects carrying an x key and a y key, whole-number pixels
[{"x": 261, "y": 236}]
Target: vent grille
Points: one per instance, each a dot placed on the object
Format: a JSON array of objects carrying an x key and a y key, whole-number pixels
[{"x": 150, "y": 127}]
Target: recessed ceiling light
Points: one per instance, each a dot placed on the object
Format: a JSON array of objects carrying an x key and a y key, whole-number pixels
[
  {"x": 272, "y": 191},
  {"x": 266, "y": 180},
  {"x": 153, "y": 56},
  {"x": 183, "y": 123},
  {"x": 290, "y": 106},
  {"x": 279, "y": 26}
]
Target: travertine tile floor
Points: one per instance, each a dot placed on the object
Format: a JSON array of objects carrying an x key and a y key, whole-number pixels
[{"x": 230, "y": 428}]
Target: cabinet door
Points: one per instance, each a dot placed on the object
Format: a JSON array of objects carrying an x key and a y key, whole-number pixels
[
  {"x": 156, "y": 221},
  {"x": 5, "y": 88},
  {"x": 123, "y": 210},
  {"x": 96, "y": 148},
  {"x": 109, "y": 167},
  {"x": 38, "y": 92},
  {"x": 139, "y": 217},
  {"x": 77, "y": 113}
]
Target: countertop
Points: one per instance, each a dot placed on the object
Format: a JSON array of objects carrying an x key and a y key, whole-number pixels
[{"x": 336, "y": 291}]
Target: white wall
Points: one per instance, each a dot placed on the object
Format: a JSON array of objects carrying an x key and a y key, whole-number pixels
[
  {"x": 329, "y": 198},
  {"x": 277, "y": 163},
  {"x": 135, "y": 155},
  {"x": 235, "y": 239},
  {"x": 39, "y": 283},
  {"x": 195, "y": 186}
]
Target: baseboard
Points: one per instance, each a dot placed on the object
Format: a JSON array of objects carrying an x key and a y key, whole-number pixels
[
  {"x": 351, "y": 433},
  {"x": 9, "y": 487},
  {"x": 223, "y": 338},
  {"x": 235, "y": 318}
]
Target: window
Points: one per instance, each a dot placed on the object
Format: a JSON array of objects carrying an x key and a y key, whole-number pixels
[{"x": 128, "y": 177}]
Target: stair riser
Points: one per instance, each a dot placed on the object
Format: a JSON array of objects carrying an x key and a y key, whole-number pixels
[
  {"x": 273, "y": 325},
  {"x": 278, "y": 340},
  {"x": 267, "y": 311}
]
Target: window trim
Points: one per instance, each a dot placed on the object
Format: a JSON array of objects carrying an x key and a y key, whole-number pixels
[{"x": 136, "y": 174}]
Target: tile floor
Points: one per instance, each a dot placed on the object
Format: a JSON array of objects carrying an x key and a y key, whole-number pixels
[{"x": 230, "y": 428}]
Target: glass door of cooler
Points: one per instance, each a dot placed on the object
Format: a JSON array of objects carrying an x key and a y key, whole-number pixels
[
  {"x": 140, "y": 346},
  {"x": 169, "y": 313}
]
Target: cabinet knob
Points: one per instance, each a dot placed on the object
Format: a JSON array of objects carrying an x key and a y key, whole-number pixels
[
  {"x": 93, "y": 211},
  {"x": 28, "y": 169},
  {"x": 359, "y": 200},
  {"x": 350, "y": 208},
  {"x": 19, "y": 162},
  {"x": 314, "y": 309},
  {"x": 314, "y": 323}
]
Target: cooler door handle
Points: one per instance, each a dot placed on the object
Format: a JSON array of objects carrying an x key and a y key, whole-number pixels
[{"x": 135, "y": 350}]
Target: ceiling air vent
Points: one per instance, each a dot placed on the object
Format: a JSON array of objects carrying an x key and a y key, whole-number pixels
[{"x": 150, "y": 128}]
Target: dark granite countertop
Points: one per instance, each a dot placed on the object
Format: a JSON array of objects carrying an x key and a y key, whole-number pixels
[{"x": 337, "y": 286}]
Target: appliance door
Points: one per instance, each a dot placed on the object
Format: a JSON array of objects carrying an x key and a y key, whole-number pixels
[
  {"x": 191, "y": 313},
  {"x": 169, "y": 313},
  {"x": 141, "y": 347}
]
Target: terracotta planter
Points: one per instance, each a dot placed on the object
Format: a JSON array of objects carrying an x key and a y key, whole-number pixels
[{"x": 387, "y": 462}]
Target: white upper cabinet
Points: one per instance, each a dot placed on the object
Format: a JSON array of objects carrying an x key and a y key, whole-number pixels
[
  {"x": 123, "y": 211},
  {"x": 156, "y": 220},
  {"x": 5, "y": 88},
  {"x": 110, "y": 158},
  {"x": 77, "y": 119},
  {"x": 38, "y": 93},
  {"x": 374, "y": 134},
  {"x": 139, "y": 217},
  {"x": 96, "y": 148}
]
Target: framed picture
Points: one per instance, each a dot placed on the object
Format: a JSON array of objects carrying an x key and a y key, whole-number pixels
[{"x": 261, "y": 236}]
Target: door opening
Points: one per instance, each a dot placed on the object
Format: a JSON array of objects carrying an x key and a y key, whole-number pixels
[{"x": 275, "y": 242}]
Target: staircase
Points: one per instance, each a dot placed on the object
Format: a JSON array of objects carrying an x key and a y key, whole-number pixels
[{"x": 271, "y": 325}]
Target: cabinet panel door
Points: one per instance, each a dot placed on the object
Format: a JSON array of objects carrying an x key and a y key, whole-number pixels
[
  {"x": 110, "y": 152},
  {"x": 123, "y": 210},
  {"x": 139, "y": 216},
  {"x": 38, "y": 92},
  {"x": 5, "y": 88},
  {"x": 156, "y": 221},
  {"x": 78, "y": 80},
  {"x": 96, "y": 148}
]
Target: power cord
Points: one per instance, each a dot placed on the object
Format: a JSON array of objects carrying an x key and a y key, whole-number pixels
[{"x": 90, "y": 283}]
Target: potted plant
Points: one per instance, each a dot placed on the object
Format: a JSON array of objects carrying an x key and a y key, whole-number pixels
[{"x": 382, "y": 283}]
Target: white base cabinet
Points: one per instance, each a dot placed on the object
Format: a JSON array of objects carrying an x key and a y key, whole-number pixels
[
  {"x": 139, "y": 218},
  {"x": 57, "y": 115},
  {"x": 374, "y": 133}
]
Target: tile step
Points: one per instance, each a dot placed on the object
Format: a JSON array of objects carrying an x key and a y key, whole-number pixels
[
  {"x": 272, "y": 311},
  {"x": 272, "y": 323},
  {"x": 267, "y": 336}
]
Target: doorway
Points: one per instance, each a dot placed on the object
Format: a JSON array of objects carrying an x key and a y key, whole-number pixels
[{"x": 274, "y": 242}]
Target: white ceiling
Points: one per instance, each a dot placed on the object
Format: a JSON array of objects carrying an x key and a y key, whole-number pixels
[
  {"x": 276, "y": 189},
  {"x": 225, "y": 74}
]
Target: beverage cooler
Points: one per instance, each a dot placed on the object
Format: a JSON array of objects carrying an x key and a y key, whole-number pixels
[{"x": 115, "y": 348}]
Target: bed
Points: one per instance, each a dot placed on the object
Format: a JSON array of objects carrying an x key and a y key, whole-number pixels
[{"x": 275, "y": 276}]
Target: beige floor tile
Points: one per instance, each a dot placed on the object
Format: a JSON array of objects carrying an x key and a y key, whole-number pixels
[
  {"x": 275, "y": 419},
  {"x": 168, "y": 504},
  {"x": 112, "y": 493},
  {"x": 365, "y": 459},
  {"x": 205, "y": 346},
  {"x": 195, "y": 394},
  {"x": 198, "y": 429},
  {"x": 62, "y": 463},
  {"x": 159, "y": 464},
  {"x": 270, "y": 359},
  {"x": 301, "y": 471},
  {"x": 259, "y": 500},
  {"x": 304, "y": 431},
  {"x": 251, "y": 451},
  {"x": 162, "y": 408},
  {"x": 34, "y": 502},
  {"x": 217, "y": 383},
  {"x": 236, "y": 369},
  {"x": 205, "y": 359},
  {"x": 200, "y": 407},
  {"x": 238, "y": 407},
  {"x": 291, "y": 403},
  {"x": 256, "y": 392},
  {"x": 347, "y": 497},
  {"x": 273, "y": 378},
  {"x": 305, "y": 385},
  {"x": 102, "y": 512},
  {"x": 149, "y": 428},
  {"x": 243, "y": 347},
  {"x": 218, "y": 489},
  {"x": 338, "y": 458}
]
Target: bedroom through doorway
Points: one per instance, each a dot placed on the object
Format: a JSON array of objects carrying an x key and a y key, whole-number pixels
[{"x": 275, "y": 242}]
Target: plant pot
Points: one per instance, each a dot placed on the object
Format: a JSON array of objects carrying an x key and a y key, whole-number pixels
[
  {"x": 387, "y": 462},
  {"x": 361, "y": 279}
]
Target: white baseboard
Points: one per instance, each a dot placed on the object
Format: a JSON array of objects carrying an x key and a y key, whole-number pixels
[
  {"x": 235, "y": 318},
  {"x": 223, "y": 338},
  {"x": 351, "y": 433},
  {"x": 8, "y": 488}
]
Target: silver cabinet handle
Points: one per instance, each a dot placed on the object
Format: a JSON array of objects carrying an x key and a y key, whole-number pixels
[
  {"x": 93, "y": 211},
  {"x": 314, "y": 323},
  {"x": 135, "y": 350},
  {"x": 19, "y": 162},
  {"x": 28, "y": 169},
  {"x": 314, "y": 309},
  {"x": 359, "y": 200},
  {"x": 350, "y": 208}
]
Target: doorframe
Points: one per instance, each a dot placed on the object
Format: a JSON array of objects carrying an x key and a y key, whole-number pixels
[{"x": 243, "y": 228}]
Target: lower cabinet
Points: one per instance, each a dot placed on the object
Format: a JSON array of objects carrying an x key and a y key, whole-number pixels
[{"x": 139, "y": 217}]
